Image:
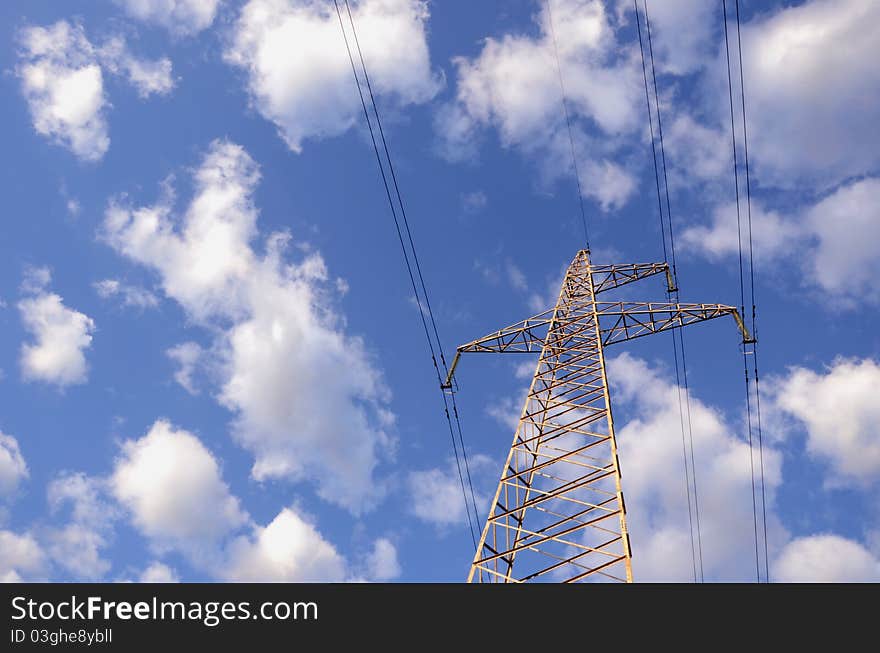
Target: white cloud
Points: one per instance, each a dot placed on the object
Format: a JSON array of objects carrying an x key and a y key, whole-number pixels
[
  {"x": 682, "y": 34},
  {"x": 64, "y": 88},
  {"x": 836, "y": 241},
  {"x": 158, "y": 572},
  {"x": 187, "y": 356},
  {"x": 62, "y": 76},
  {"x": 84, "y": 494},
  {"x": 129, "y": 295},
  {"x": 61, "y": 335},
  {"x": 308, "y": 402},
  {"x": 436, "y": 497},
  {"x": 13, "y": 468},
  {"x": 298, "y": 72},
  {"x": 840, "y": 411},
  {"x": 810, "y": 76},
  {"x": 77, "y": 549},
  {"x": 513, "y": 86},
  {"x": 180, "y": 17},
  {"x": 149, "y": 77},
  {"x": 652, "y": 468},
  {"x": 21, "y": 557},
  {"x": 695, "y": 150},
  {"x": 288, "y": 550},
  {"x": 171, "y": 485},
  {"x": 826, "y": 558},
  {"x": 847, "y": 227},
  {"x": 773, "y": 235},
  {"x": 77, "y": 545},
  {"x": 507, "y": 411},
  {"x": 382, "y": 563},
  {"x": 35, "y": 279}
]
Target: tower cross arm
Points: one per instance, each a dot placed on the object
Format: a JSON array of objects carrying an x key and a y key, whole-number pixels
[
  {"x": 524, "y": 336},
  {"x": 623, "y": 321},
  {"x": 520, "y": 337},
  {"x": 608, "y": 277}
]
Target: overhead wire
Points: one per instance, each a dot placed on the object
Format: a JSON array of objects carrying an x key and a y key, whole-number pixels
[
  {"x": 424, "y": 287},
  {"x": 745, "y": 348},
  {"x": 453, "y": 430},
  {"x": 680, "y": 333},
  {"x": 574, "y": 165},
  {"x": 665, "y": 260},
  {"x": 752, "y": 294},
  {"x": 681, "y": 376}
]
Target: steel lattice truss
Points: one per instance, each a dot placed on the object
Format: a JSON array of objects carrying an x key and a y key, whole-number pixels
[{"x": 558, "y": 513}]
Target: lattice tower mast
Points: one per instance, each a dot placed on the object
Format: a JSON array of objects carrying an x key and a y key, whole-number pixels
[{"x": 558, "y": 513}]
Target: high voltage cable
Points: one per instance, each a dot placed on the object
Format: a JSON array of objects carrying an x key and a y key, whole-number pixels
[
  {"x": 675, "y": 280},
  {"x": 665, "y": 259},
  {"x": 427, "y": 308},
  {"x": 418, "y": 265},
  {"x": 742, "y": 291},
  {"x": 752, "y": 292},
  {"x": 574, "y": 165},
  {"x": 680, "y": 369}
]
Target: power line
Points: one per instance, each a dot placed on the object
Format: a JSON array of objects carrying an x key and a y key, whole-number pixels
[
  {"x": 752, "y": 292},
  {"x": 418, "y": 265},
  {"x": 675, "y": 280},
  {"x": 409, "y": 267},
  {"x": 418, "y": 269},
  {"x": 742, "y": 289},
  {"x": 574, "y": 165},
  {"x": 681, "y": 376},
  {"x": 662, "y": 148}
]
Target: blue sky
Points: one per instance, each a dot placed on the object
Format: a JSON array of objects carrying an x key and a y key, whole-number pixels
[{"x": 212, "y": 366}]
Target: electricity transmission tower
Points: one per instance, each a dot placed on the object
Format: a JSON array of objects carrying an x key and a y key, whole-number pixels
[{"x": 558, "y": 513}]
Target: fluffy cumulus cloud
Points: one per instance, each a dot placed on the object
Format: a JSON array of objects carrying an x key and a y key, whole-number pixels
[
  {"x": 133, "y": 296},
  {"x": 649, "y": 438},
  {"x": 811, "y": 84},
  {"x": 13, "y": 468},
  {"x": 308, "y": 401},
  {"x": 64, "y": 88},
  {"x": 180, "y": 17},
  {"x": 187, "y": 356},
  {"x": 836, "y": 240},
  {"x": 77, "y": 545},
  {"x": 60, "y": 335},
  {"x": 512, "y": 85},
  {"x": 382, "y": 563},
  {"x": 436, "y": 496},
  {"x": 170, "y": 486},
  {"x": 695, "y": 150},
  {"x": 826, "y": 558},
  {"x": 774, "y": 235},
  {"x": 62, "y": 78},
  {"x": 682, "y": 34},
  {"x": 838, "y": 407},
  {"x": 846, "y": 228},
  {"x": 149, "y": 77},
  {"x": 158, "y": 572},
  {"x": 167, "y": 480},
  {"x": 298, "y": 73},
  {"x": 21, "y": 557},
  {"x": 288, "y": 550}
]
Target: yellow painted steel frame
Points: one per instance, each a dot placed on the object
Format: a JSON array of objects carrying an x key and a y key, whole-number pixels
[{"x": 558, "y": 513}]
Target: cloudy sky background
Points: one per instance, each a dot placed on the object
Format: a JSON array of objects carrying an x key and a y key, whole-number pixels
[{"x": 212, "y": 368}]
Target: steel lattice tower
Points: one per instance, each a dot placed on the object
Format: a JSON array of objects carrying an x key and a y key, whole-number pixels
[{"x": 559, "y": 513}]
